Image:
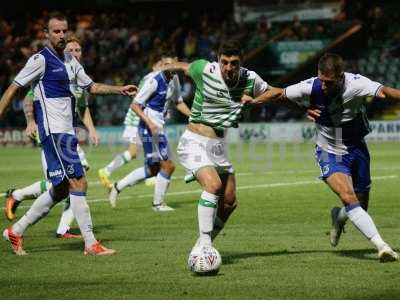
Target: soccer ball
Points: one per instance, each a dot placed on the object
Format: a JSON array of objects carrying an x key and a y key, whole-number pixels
[{"x": 204, "y": 261}]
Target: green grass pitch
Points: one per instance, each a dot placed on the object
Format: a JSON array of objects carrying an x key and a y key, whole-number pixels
[{"x": 274, "y": 247}]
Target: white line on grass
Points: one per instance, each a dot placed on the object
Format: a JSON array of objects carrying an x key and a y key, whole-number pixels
[{"x": 244, "y": 187}]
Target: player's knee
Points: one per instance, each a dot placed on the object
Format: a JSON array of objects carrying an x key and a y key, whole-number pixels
[
  {"x": 168, "y": 166},
  {"x": 79, "y": 184},
  {"x": 348, "y": 197},
  {"x": 213, "y": 187}
]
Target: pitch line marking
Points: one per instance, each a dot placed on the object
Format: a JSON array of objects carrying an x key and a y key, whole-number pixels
[{"x": 244, "y": 187}]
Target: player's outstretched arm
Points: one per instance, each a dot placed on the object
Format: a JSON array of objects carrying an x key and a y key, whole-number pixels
[
  {"x": 271, "y": 94},
  {"x": 105, "y": 89},
  {"x": 7, "y": 98},
  {"x": 388, "y": 92},
  {"x": 31, "y": 127},
  {"x": 88, "y": 122},
  {"x": 176, "y": 66}
]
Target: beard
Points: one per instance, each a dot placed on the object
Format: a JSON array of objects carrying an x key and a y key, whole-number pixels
[{"x": 60, "y": 46}]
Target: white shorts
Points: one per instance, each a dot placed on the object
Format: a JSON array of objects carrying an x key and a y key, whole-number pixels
[
  {"x": 131, "y": 135},
  {"x": 196, "y": 151}
]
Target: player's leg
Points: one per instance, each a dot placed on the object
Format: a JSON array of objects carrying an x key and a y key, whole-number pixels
[
  {"x": 163, "y": 179},
  {"x": 67, "y": 217},
  {"x": 130, "y": 134},
  {"x": 135, "y": 177},
  {"x": 15, "y": 197},
  {"x": 227, "y": 203},
  {"x": 67, "y": 152},
  {"x": 342, "y": 185},
  {"x": 42, "y": 205},
  {"x": 357, "y": 162},
  {"x": 39, "y": 209},
  {"x": 207, "y": 207}
]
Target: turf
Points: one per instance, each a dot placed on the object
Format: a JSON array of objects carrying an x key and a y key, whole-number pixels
[{"x": 274, "y": 247}]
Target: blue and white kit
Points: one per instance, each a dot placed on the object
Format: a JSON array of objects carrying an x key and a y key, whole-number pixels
[
  {"x": 51, "y": 78},
  {"x": 155, "y": 96},
  {"x": 342, "y": 126}
]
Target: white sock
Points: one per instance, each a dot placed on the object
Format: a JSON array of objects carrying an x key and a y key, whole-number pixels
[
  {"x": 206, "y": 210},
  {"x": 40, "y": 208},
  {"x": 118, "y": 162},
  {"x": 67, "y": 217},
  {"x": 342, "y": 216},
  {"x": 81, "y": 211},
  {"x": 364, "y": 223},
  {"x": 136, "y": 176},
  {"x": 32, "y": 191},
  {"x": 161, "y": 187}
]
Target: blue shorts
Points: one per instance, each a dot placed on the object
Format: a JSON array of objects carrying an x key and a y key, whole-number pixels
[
  {"x": 355, "y": 164},
  {"x": 155, "y": 148},
  {"x": 60, "y": 152}
]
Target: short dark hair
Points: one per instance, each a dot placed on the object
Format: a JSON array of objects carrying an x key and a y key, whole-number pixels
[
  {"x": 331, "y": 63},
  {"x": 54, "y": 15},
  {"x": 230, "y": 48}
]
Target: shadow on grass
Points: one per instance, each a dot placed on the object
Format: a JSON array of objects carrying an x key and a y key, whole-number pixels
[{"x": 232, "y": 258}]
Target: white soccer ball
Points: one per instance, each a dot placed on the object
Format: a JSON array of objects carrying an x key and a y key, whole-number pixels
[{"x": 204, "y": 261}]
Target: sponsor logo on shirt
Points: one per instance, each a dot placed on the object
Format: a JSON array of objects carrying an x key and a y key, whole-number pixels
[
  {"x": 60, "y": 69},
  {"x": 56, "y": 173}
]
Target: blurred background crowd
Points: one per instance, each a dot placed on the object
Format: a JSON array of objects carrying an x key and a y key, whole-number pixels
[{"x": 121, "y": 40}]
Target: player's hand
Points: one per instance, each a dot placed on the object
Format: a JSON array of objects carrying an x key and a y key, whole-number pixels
[
  {"x": 129, "y": 90},
  {"x": 313, "y": 114},
  {"x": 246, "y": 99},
  {"x": 31, "y": 130},
  {"x": 94, "y": 137}
]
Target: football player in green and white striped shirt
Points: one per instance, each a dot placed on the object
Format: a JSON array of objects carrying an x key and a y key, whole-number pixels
[{"x": 202, "y": 148}]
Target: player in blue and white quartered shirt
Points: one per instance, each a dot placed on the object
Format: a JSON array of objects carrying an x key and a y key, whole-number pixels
[
  {"x": 151, "y": 104},
  {"x": 32, "y": 191},
  {"x": 50, "y": 72},
  {"x": 338, "y": 101},
  {"x": 131, "y": 136}
]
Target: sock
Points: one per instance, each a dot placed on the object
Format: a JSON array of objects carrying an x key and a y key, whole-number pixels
[
  {"x": 364, "y": 223},
  {"x": 342, "y": 216},
  {"x": 161, "y": 187},
  {"x": 206, "y": 211},
  {"x": 67, "y": 217},
  {"x": 32, "y": 191},
  {"x": 118, "y": 162},
  {"x": 218, "y": 226},
  {"x": 40, "y": 208},
  {"x": 136, "y": 176},
  {"x": 81, "y": 211}
]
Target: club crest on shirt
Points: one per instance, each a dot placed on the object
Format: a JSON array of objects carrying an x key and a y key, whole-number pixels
[
  {"x": 70, "y": 169},
  {"x": 325, "y": 170}
]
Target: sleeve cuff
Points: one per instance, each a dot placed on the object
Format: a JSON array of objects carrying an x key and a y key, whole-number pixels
[
  {"x": 87, "y": 86},
  {"x": 378, "y": 89},
  {"x": 17, "y": 83}
]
